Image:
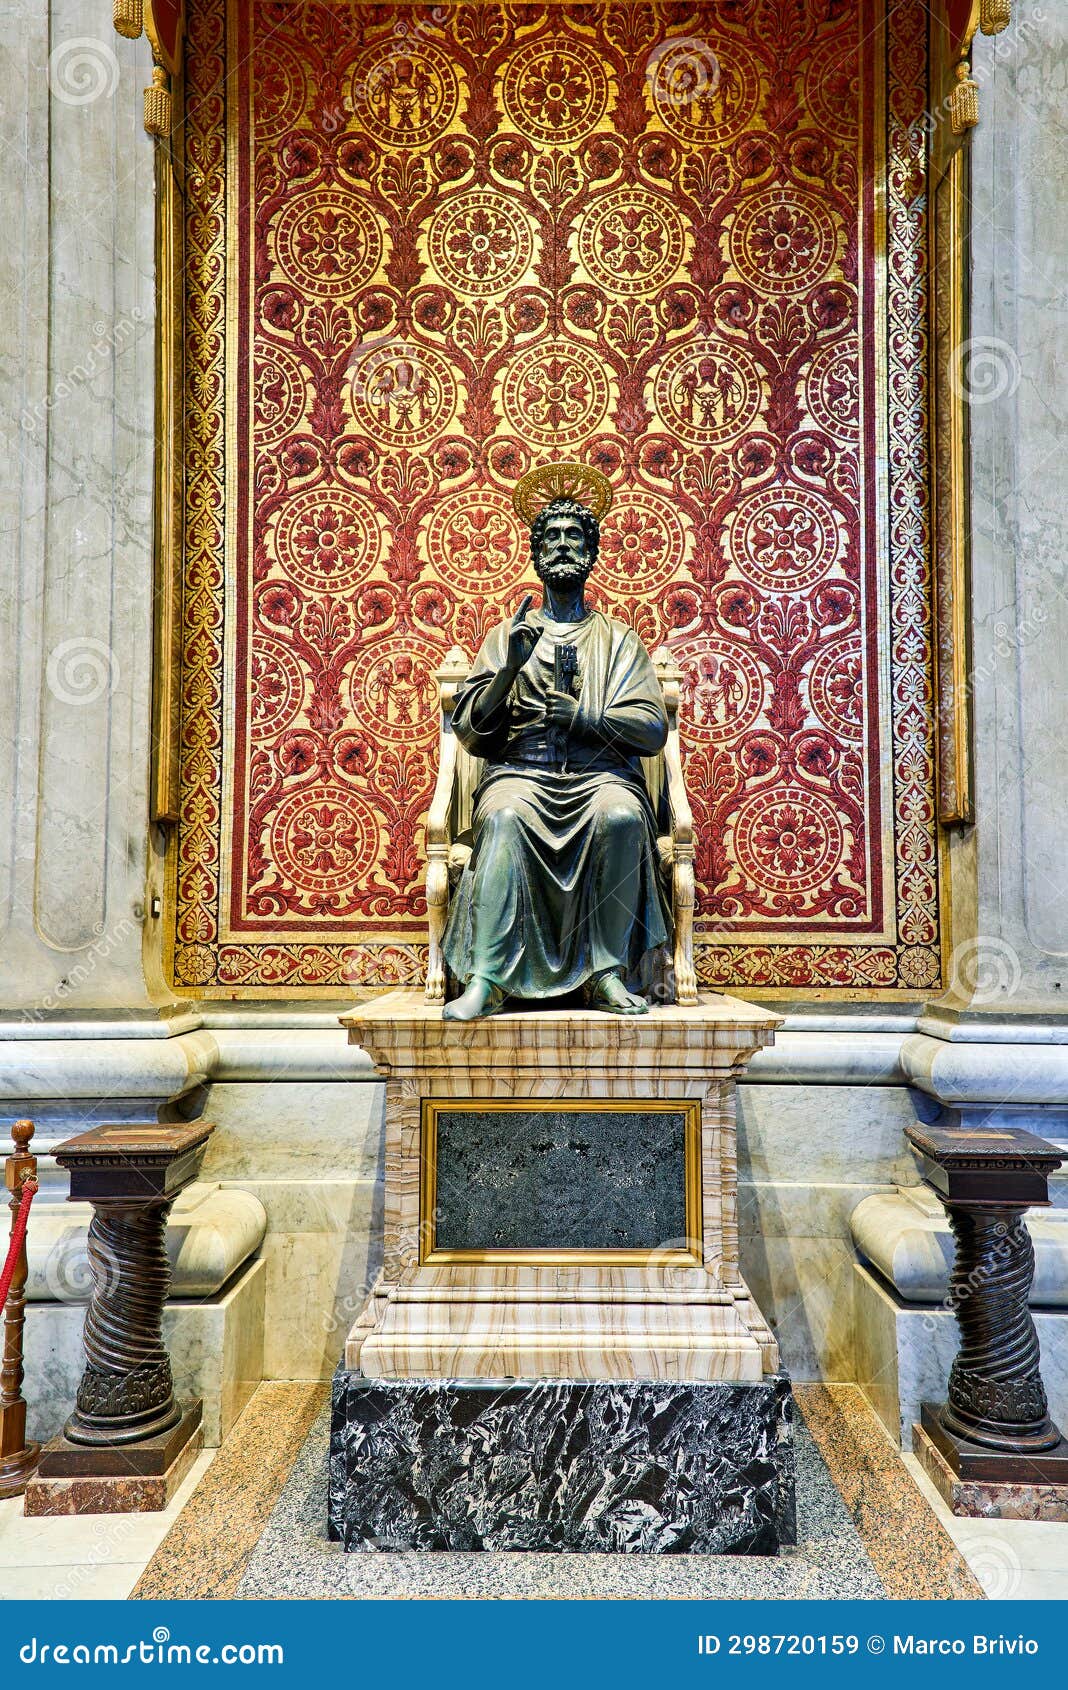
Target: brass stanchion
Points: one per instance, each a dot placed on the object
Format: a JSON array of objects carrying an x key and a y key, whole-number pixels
[{"x": 17, "y": 1457}]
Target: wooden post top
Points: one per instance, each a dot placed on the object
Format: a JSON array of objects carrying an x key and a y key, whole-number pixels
[
  {"x": 986, "y": 1166},
  {"x": 145, "y": 1163},
  {"x": 22, "y": 1164}
]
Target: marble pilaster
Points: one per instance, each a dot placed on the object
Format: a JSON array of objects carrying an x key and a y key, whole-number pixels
[
  {"x": 1017, "y": 386},
  {"x": 76, "y": 414}
]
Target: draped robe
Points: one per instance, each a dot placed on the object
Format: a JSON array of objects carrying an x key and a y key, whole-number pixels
[{"x": 562, "y": 884}]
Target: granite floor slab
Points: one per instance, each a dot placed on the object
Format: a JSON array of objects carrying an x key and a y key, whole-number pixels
[
  {"x": 256, "y": 1527},
  {"x": 294, "y": 1559}
]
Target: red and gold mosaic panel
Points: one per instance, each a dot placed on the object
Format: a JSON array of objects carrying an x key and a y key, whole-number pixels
[{"x": 430, "y": 247}]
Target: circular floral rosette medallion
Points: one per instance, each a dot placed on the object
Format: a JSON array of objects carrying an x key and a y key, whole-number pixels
[
  {"x": 831, "y": 93},
  {"x": 194, "y": 965},
  {"x": 643, "y": 543},
  {"x": 783, "y": 240},
  {"x": 631, "y": 241},
  {"x": 276, "y": 686},
  {"x": 722, "y": 691},
  {"x": 393, "y": 690},
  {"x": 281, "y": 393},
  {"x": 480, "y": 243},
  {"x": 555, "y": 394},
  {"x": 475, "y": 543},
  {"x": 836, "y": 688},
  {"x": 403, "y": 394},
  {"x": 919, "y": 966},
  {"x": 789, "y": 840},
  {"x": 324, "y": 840},
  {"x": 280, "y": 90},
  {"x": 832, "y": 390},
  {"x": 701, "y": 94},
  {"x": 707, "y": 393},
  {"x": 784, "y": 538},
  {"x": 327, "y": 540},
  {"x": 327, "y": 243},
  {"x": 404, "y": 93},
  {"x": 555, "y": 91}
]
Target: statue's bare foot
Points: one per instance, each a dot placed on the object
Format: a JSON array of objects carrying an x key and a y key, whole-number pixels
[
  {"x": 610, "y": 994},
  {"x": 482, "y": 997}
]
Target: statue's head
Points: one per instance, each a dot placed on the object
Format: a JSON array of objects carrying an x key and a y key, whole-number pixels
[{"x": 564, "y": 539}]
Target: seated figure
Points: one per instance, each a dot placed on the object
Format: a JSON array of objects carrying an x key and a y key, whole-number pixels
[{"x": 562, "y": 889}]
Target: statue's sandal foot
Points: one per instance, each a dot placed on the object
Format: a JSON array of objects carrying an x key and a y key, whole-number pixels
[
  {"x": 610, "y": 994},
  {"x": 481, "y": 998}
]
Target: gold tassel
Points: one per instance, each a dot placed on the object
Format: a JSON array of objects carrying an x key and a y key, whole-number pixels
[
  {"x": 128, "y": 18},
  {"x": 994, "y": 16},
  {"x": 964, "y": 101},
  {"x": 158, "y": 104}
]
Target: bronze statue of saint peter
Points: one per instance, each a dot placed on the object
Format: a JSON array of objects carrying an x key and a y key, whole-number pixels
[{"x": 562, "y": 889}]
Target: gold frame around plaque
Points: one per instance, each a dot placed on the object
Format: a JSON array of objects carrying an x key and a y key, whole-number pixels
[{"x": 431, "y": 1256}]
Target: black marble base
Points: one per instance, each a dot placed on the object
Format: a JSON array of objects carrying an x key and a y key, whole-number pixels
[{"x": 628, "y": 1466}]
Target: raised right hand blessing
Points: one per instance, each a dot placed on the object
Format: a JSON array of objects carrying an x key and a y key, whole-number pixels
[{"x": 522, "y": 636}]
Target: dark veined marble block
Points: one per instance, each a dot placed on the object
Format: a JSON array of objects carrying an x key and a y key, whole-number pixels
[{"x": 626, "y": 1467}]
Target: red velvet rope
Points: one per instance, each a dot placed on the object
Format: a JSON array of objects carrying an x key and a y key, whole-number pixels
[{"x": 18, "y": 1237}]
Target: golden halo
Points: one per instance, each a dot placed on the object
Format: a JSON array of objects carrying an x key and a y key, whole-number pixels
[{"x": 539, "y": 487}]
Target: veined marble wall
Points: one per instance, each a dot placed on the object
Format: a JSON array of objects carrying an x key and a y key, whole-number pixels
[
  {"x": 1018, "y": 387},
  {"x": 76, "y": 421}
]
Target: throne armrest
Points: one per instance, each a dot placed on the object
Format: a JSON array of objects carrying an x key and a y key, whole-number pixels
[
  {"x": 449, "y": 677},
  {"x": 439, "y": 822},
  {"x": 669, "y": 675},
  {"x": 684, "y": 890},
  {"x": 439, "y": 816}
]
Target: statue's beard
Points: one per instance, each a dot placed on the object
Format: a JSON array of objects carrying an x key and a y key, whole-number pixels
[{"x": 564, "y": 572}]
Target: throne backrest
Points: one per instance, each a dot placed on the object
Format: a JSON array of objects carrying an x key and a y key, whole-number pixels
[{"x": 453, "y": 672}]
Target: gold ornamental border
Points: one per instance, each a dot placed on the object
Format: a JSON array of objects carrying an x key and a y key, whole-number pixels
[{"x": 431, "y": 1256}]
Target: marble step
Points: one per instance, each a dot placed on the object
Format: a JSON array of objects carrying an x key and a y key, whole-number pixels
[
  {"x": 563, "y": 1339},
  {"x": 905, "y": 1236}
]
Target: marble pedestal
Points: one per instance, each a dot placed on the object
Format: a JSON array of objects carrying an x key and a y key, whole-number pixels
[
  {"x": 1024, "y": 1497},
  {"x": 543, "y": 1271},
  {"x": 618, "y": 1467}
]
